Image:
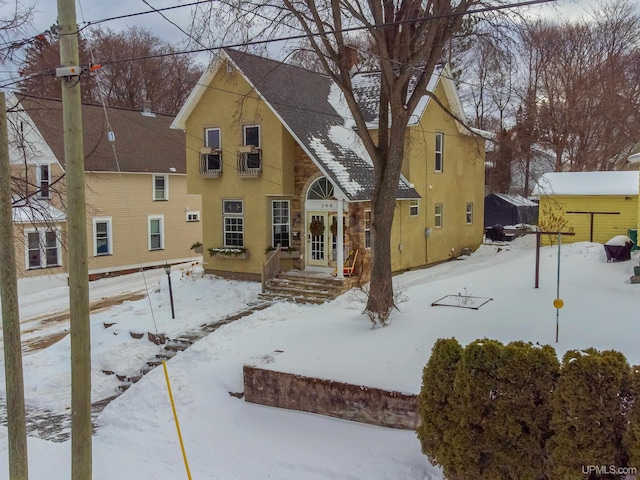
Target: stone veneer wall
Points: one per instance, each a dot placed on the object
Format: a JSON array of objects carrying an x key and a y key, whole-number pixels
[
  {"x": 326, "y": 397},
  {"x": 305, "y": 173}
]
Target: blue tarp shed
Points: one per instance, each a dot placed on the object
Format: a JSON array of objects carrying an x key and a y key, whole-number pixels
[{"x": 505, "y": 209}]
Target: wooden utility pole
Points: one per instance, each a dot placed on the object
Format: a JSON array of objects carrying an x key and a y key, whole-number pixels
[
  {"x": 69, "y": 74},
  {"x": 17, "y": 428}
]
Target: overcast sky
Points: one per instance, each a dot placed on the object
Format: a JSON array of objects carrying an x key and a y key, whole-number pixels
[
  {"x": 92, "y": 10},
  {"x": 45, "y": 14}
]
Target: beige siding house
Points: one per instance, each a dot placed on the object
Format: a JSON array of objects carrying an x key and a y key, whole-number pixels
[
  {"x": 139, "y": 213},
  {"x": 271, "y": 149}
]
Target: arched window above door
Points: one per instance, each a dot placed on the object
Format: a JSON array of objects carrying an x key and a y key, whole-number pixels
[{"x": 321, "y": 189}]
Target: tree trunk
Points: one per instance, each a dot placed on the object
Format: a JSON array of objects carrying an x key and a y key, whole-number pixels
[
  {"x": 527, "y": 173},
  {"x": 381, "y": 298}
]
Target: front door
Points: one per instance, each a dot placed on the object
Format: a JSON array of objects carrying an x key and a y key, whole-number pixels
[{"x": 317, "y": 244}]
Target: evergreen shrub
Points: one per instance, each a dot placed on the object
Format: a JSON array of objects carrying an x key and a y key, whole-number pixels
[
  {"x": 632, "y": 436},
  {"x": 588, "y": 419},
  {"x": 438, "y": 415},
  {"x": 526, "y": 377},
  {"x": 492, "y": 411}
]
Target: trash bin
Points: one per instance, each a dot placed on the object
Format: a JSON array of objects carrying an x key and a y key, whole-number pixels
[
  {"x": 618, "y": 249},
  {"x": 633, "y": 235}
]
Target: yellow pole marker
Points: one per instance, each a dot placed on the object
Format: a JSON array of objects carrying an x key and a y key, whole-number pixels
[
  {"x": 558, "y": 303},
  {"x": 175, "y": 417}
]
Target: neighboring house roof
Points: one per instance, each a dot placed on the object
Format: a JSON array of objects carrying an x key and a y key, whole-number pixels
[
  {"x": 143, "y": 142},
  {"x": 36, "y": 212},
  {"x": 587, "y": 183},
  {"x": 312, "y": 109},
  {"x": 516, "y": 200}
]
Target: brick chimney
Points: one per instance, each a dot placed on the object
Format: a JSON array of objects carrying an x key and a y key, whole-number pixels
[
  {"x": 146, "y": 108},
  {"x": 349, "y": 59}
]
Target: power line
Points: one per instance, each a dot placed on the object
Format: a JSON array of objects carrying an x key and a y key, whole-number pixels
[
  {"x": 54, "y": 29},
  {"x": 291, "y": 37},
  {"x": 175, "y": 24},
  {"x": 17, "y": 44},
  {"x": 344, "y": 30},
  {"x": 146, "y": 12}
]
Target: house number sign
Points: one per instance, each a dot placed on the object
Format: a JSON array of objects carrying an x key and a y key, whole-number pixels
[{"x": 323, "y": 205}]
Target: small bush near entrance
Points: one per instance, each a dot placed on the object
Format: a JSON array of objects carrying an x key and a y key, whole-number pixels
[{"x": 512, "y": 411}]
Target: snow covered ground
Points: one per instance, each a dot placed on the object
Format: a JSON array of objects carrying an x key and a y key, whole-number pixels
[{"x": 226, "y": 438}]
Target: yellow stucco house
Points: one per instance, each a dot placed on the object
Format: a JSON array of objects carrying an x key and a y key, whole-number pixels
[
  {"x": 596, "y": 205},
  {"x": 139, "y": 214},
  {"x": 272, "y": 150}
]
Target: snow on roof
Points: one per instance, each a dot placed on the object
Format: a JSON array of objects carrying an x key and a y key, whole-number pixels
[
  {"x": 517, "y": 200},
  {"x": 366, "y": 90},
  {"x": 635, "y": 158},
  {"x": 327, "y": 135},
  {"x": 349, "y": 185},
  {"x": 345, "y": 138},
  {"x": 36, "y": 211},
  {"x": 347, "y": 141},
  {"x": 587, "y": 183},
  {"x": 339, "y": 103},
  {"x": 424, "y": 100}
]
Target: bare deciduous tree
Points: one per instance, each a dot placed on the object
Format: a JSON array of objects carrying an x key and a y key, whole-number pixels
[
  {"x": 138, "y": 67},
  {"x": 13, "y": 24},
  {"x": 574, "y": 92},
  {"x": 15, "y": 27}
]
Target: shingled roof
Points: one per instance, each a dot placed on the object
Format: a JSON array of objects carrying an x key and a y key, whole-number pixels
[
  {"x": 310, "y": 107},
  {"x": 366, "y": 90},
  {"x": 144, "y": 143}
]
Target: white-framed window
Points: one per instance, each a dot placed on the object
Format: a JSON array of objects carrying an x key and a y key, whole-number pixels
[
  {"x": 250, "y": 158},
  {"x": 212, "y": 138},
  {"x": 42, "y": 248},
  {"x": 193, "y": 216},
  {"x": 160, "y": 187},
  {"x": 439, "y": 159},
  {"x": 251, "y": 135},
  {"x": 233, "y": 227},
  {"x": 211, "y": 162},
  {"x": 469, "y": 214},
  {"x": 414, "y": 207},
  {"x": 367, "y": 228},
  {"x": 156, "y": 232},
  {"x": 321, "y": 189},
  {"x": 280, "y": 223},
  {"x": 438, "y": 215},
  {"x": 102, "y": 236},
  {"x": 43, "y": 179}
]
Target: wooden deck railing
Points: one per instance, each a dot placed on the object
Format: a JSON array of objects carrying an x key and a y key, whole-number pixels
[{"x": 271, "y": 267}]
